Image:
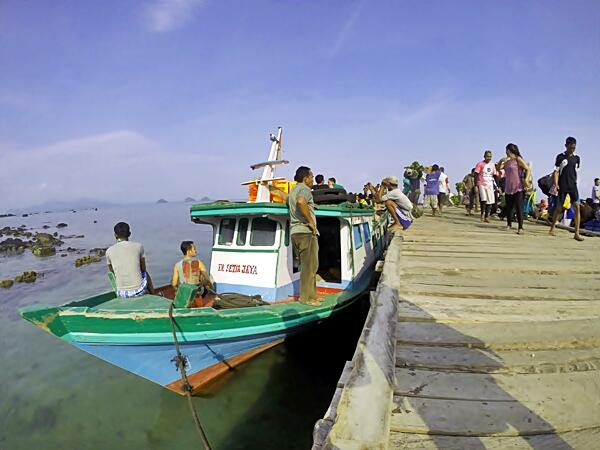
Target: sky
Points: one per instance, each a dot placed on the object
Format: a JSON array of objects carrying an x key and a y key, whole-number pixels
[{"x": 128, "y": 101}]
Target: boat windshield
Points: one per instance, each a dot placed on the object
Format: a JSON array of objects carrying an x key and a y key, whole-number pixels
[
  {"x": 226, "y": 231},
  {"x": 263, "y": 232}
]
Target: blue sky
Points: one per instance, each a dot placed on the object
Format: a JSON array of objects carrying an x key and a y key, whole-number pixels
[{"x": 132, "y": 101}]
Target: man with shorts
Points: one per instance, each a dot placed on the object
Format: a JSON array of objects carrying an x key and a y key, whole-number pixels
[
  {"x": 565, "y": 184},
  {"x": 396, "y": 202},
  {"x": 127, "y": 261},
  {"x": 484, "y": 180},
  {"x": 432, "y": 189},
  {"x": 444, "y": 189}
]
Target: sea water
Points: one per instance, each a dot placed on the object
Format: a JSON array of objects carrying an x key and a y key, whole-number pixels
[{"x": 53, "y": 396}]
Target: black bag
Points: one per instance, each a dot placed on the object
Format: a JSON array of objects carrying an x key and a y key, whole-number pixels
[
  {"x": 229, "y": 300},
  {"x": 330, "y": 196},
  {"x": 545, "y": 183}
]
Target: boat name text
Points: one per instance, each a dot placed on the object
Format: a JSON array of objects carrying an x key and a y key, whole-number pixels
[{"x": 238, "y": 268}]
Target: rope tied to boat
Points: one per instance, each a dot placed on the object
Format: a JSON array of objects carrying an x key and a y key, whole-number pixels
[{"x": 181, "y": 362}]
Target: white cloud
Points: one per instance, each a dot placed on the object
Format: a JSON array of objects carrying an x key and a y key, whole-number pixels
[
  {"x": 167, "y": 15},
  {"x": 344, "y": 32}
]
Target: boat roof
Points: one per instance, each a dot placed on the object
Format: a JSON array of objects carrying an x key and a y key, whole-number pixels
[{"x": 223, "y": 209}]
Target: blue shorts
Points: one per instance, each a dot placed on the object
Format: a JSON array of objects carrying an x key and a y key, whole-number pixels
[
  {"x": 135, "y": 292},
  {"x": 404, "y": 218}
]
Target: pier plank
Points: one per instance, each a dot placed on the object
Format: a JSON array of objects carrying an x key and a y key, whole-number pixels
[
  {"x": 582, "y": 439},
  {"x": 476, "y": 360},
  {"x": 444, "y": 310},
  {"x": 531, "y": 390}
]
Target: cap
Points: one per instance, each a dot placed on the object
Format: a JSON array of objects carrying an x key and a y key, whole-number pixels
[{"x": 392, "y": 180}]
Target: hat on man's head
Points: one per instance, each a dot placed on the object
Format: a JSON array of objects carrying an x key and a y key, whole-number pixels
[{"x": 392, "y": 180}]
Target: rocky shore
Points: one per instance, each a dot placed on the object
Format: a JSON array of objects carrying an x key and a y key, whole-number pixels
[{"x": 17, "y": 240}]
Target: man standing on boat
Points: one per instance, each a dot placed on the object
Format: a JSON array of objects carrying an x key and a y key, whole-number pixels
[
  {"x": 127, "y": 261},
  {"x": 304, "y": 234}
]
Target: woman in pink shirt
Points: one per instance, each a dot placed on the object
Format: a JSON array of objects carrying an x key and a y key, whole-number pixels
[{"x": 517, "y": 175}]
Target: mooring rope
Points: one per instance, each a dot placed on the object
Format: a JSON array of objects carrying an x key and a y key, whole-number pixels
[{"x": 181, "y": 362}]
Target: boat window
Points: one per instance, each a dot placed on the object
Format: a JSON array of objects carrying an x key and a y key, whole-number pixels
[
  {"x": 287, "y": 233},
  {"x": 226, "y": 231},
  {"x": 242, "y": 232},
  {"x": 367, "y": 232},
  {"x": 358, "y": 242},
  {"x": 263, "y": 232}
]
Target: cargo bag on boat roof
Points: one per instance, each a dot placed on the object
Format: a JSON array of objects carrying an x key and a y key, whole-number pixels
[
  {"x": 229, "y": 300},
  {"x": 330, "y": 196}
]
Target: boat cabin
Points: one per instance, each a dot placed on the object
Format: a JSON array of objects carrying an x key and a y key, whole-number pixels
[{"x": 253, "y": 254}]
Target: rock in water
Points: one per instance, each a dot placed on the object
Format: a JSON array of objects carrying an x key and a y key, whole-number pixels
[
  {"x": 87, "y": 260},
  {"x": 26, "y": 277},
  {"x": 100, "y": 251},
  {"x": 43, "y": 250},
  {"x": 162, "y": 200},
  {"x": 62, "y": 225},
  {"x": 6, "y": 283},
  {"x": 47, "y": 239},
  {"x": 12, "y": 246}
]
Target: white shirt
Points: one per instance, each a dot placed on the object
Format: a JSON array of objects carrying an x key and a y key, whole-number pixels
[
  {"x": 596, "y": 194},
  {"x": 401, "y": 200},
  {"x": 443, "y": 183}
]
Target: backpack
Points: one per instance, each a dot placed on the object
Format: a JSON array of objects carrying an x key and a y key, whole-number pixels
[
  {"x": 545, "y": 183},
  {"x": 229, "y": 300}
]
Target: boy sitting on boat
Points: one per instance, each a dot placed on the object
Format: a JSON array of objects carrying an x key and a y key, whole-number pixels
[
  {"x": 190, "y": 269},
  {"x": 127, "y": 261}
]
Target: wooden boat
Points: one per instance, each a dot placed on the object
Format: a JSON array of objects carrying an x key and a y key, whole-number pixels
[{"x": 251, "y": 254}]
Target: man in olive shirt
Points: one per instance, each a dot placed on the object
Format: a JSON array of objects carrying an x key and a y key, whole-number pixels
[{"x": 303, "y": 230}]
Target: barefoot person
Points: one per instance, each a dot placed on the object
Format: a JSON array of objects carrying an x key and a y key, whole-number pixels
[
  {"x": 397, "y": 203},
  {"x": 303, "y": 231},
  {"x": 485, "y": 171},
  {"x": 515, "y": 171},
  {"x": 127, "y": 261},
  {"x": 565, "y": 184}
]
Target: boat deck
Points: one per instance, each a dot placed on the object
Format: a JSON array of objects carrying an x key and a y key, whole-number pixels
[{"x": 478, "y": 338}]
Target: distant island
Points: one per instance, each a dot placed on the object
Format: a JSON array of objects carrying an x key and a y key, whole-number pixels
[
  {"x": 162, "y": 200},
  {"x": 63, "y": 205},
  {"x": 193, "y": 200}
]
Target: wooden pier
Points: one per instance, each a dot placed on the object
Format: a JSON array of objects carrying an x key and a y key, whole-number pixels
[{"x": 477, "y": 338}]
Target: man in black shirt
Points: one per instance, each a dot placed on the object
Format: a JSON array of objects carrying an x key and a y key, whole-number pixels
[
  {"x": 320, "y": 183},
  {"x": 565, "y": 183}
]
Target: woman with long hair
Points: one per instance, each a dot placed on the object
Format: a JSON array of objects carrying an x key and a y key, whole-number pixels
[{"x": 517, "y": 175}]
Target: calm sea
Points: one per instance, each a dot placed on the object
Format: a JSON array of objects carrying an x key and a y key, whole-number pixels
[{"x": 53, "y": 396}]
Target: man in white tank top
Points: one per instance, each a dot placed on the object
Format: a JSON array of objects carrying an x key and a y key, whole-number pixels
[{"x": 127, "y": 261}]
